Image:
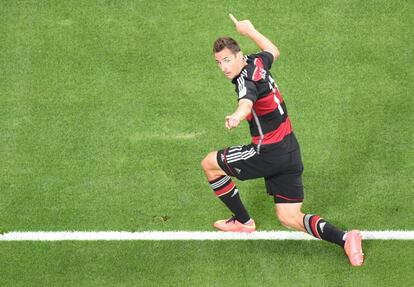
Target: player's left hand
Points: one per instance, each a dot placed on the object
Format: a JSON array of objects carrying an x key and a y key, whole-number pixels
[{"x": 232, "y": 122}]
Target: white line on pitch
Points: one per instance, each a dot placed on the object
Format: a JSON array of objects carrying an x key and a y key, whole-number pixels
[{"x": 187, "y": 235}]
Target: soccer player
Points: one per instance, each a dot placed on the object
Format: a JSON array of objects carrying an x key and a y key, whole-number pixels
[{"x": 273, "y": 153}]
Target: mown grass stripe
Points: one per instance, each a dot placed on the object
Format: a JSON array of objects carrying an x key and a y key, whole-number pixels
[{"x": 187, "y": 235}]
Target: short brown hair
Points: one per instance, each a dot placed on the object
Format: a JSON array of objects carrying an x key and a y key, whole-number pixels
[{"x": 226, "y": 42}]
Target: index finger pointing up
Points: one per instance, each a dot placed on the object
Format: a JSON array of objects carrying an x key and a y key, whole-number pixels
[{"x": 233, "y": 18}]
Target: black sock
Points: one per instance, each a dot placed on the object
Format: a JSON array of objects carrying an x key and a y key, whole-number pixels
[
  {"x": 226, "y": 190},
  {"x": 320, "y": 228}
]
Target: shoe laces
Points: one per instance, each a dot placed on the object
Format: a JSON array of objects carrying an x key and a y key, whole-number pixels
[{"x": 231, "y": 219}]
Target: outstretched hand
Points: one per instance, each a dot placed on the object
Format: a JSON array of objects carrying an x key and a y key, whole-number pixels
[
  {"x": 232, "y": 122},
  {"x": 244, "y": 27}
]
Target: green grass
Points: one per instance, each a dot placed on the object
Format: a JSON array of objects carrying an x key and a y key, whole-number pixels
[
  {"x": 177, "y": 263},
  {"x": 107, "y": 109}
]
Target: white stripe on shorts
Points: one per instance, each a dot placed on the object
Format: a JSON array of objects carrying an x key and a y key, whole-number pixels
[
  {"x": 243, "y": 156},
  {"x": 235, "y": 148},
  {"x": 238, "y": 153}
]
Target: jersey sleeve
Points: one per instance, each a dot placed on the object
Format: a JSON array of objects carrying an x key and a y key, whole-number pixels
[
  {"x": 246, "y": 89},
  {"x": 267, "y": 59}
]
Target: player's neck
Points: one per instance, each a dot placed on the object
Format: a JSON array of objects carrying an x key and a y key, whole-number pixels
[{"x": 242, "y": 65}]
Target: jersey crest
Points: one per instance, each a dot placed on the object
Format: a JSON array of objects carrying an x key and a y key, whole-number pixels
[{"x": 259, "y": 71}]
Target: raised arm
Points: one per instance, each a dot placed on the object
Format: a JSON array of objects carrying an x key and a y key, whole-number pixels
[{"x": 246, "y": 28}]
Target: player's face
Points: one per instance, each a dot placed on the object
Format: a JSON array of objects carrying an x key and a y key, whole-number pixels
[{"x": 229, "y": 63}]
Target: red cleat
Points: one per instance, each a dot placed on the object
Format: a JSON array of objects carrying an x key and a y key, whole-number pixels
[
  {"x": 232, "y": 225},
  {"x": 353, "y": 248}
]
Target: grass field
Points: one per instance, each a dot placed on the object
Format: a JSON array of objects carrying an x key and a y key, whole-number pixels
[{"x": 108, "y": 107}]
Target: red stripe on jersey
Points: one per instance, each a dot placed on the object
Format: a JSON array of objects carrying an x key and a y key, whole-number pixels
[
  {"x": 225, "y": 189},
  {"x": 266, "y": 104},
  {"x": 257, "y": 74},
  {"x": 277, "y": 135}
]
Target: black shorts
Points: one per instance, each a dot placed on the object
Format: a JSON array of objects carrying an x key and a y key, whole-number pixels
[{"x": 282, "y": 172}]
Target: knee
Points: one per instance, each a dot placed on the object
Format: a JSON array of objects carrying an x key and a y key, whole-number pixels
[{"x": 207, "y": 163}]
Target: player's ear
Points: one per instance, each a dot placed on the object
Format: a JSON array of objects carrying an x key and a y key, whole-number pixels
[{"x": 240, "y": 55}]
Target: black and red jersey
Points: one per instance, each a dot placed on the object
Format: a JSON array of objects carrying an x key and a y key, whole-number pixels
[{"x": 269, "y": 121}]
